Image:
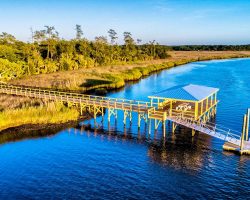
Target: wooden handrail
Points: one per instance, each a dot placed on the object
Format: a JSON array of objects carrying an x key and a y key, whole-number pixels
[{"x": 118, "y": 103}]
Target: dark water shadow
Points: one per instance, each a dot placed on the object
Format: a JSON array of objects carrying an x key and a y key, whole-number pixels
[
  {"x": 177, "y": 150},
  {"x": 95, "y": 82},
  {"x": 31, "y": 131}
]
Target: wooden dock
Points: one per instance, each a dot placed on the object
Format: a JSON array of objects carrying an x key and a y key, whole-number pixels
[{"x": 196, "y": 118}]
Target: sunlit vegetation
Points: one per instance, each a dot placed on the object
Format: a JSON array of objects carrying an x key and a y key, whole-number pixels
[
  {"x": 43, "y": 114},
  {"x": 115, "y": 76},
  {"x": 49, "y": 53},
  {"x": 49, "y": 61},
  {"x": 16, "y": 111}
]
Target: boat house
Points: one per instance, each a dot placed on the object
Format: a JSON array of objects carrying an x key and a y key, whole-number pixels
[{"x": 196, "y": 102}]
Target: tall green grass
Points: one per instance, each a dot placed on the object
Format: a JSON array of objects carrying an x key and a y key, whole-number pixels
[
  {"x": 117, "y": 80},
  {"x": 50, "y": 113}
]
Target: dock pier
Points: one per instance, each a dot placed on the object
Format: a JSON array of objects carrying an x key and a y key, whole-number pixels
[{"x": 192, "y": 106}]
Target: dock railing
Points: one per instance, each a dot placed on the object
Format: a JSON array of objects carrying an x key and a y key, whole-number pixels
[
  {"x": 117, "y": 103},
  {"x": 153, "y": 113},
  {"x": 210, "y": 128}
]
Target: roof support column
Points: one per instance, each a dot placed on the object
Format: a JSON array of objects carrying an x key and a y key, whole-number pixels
[
  {"x": 171, "y": 107},
  {"x": 196, "y": 110},
  {"x": 206, "y": 104},
  {"x": 201, "y": 107},
  {"x": 211, "y": 101}
]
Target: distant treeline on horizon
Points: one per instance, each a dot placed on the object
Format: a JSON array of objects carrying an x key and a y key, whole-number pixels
[{"x": 211, "y": 47}]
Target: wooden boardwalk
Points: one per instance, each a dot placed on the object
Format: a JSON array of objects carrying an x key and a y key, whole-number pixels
[
  {"x": 145, "y": 110},
  {"x": 95, "y": 104},
  {"x": 76, "y": 98}
]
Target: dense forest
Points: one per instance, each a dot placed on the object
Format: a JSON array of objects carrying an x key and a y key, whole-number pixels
[{"x": 47, "y": 52}]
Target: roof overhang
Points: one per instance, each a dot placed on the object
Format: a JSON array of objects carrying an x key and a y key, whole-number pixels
[{"x": 187, "y": 93}]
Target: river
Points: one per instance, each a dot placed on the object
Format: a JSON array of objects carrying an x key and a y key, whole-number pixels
[{"x": 111, "y": 162}]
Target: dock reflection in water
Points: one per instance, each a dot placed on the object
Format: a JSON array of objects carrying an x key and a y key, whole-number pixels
[{"x": 178, "y": 150}]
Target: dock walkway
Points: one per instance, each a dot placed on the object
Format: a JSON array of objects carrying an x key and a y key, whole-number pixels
[
  {"x": 146, "y": 110},
  {"x": 214, "y": 131}
]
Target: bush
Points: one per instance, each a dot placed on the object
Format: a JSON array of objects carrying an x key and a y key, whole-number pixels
[{"x": 10, "y": 70}]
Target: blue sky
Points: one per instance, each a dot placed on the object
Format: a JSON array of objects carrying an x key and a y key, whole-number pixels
[{"x": 170, "y": 22}]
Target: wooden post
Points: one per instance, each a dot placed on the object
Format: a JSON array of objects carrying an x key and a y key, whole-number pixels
[
  {"x": 243, "y": 133},
  {"x": 95, "y": 112},
  {"x": 102, "y": 115},
  {"x": 201, "y": 107},
  {"x": 196, "y": 110},
  {"x": 193, "y": 132},
  {"x": 116, "y": 114},
  {"x": 247, "y": 124},
  {"x": 173, "y": 127},
  {"x": 81, "y": 108},
  {"x": 139, "y": 120},
  {"x": 164, "y": 128},
  {"x": 171, "y": 108},
  {"x": 149, "y": 126},
  {"x": 102, "y": 112},
  {"x": 124, "y": 117},
  {"x": 109, "y": 115},
  {"x": 206, "y": 103},
  {"x": 130, "y": 117}
]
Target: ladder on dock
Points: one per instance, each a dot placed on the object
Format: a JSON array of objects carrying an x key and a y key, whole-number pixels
[{"x": 213, "y": 130}]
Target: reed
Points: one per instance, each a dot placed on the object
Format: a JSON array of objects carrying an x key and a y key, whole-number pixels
[
  {"x": 115, "y": 76},
  {"x": 45, "y": 114}
]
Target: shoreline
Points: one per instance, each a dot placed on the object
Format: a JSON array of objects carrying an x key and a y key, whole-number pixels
[
  {"x": 25, "y": 131},
  {"x": 144, "y": 72},
  {"x": 105, "y": 89},
  {"x": 105, "y": 78}
]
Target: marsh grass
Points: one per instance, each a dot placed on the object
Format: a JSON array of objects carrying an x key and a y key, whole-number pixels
[
  {"x": 16, "y": 111},
  {"x": 13, "y": 102},
  {"x": 43, "y": 114},
  {"x": 115, "y": 76}
]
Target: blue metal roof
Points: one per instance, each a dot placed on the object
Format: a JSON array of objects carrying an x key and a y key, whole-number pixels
[{"x": 187, "y": 92}]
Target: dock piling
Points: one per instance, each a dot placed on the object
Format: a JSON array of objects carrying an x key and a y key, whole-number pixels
[
  {"x": 243, "y": 133},
  {"x": 247, "y": 124}
]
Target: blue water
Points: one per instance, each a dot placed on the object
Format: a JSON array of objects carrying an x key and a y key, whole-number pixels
[{"x": 110, "y": 162}]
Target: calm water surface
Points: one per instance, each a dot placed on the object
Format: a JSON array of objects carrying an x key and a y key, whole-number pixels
[{"x": 111, "y": 162}]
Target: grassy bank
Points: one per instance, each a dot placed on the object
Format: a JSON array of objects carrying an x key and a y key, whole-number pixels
[
  {"x": 17, "y": 111},
  {"x": 51, "y": 113},
  {"x": 112, "y": 77}
]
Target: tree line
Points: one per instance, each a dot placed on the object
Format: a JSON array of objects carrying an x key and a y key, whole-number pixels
[
  {"x": 47, "y": 52},
  {"x": 211, "y": 48}
]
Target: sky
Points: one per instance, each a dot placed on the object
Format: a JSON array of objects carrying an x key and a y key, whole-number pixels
[{"x": 170, "y": 22}]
